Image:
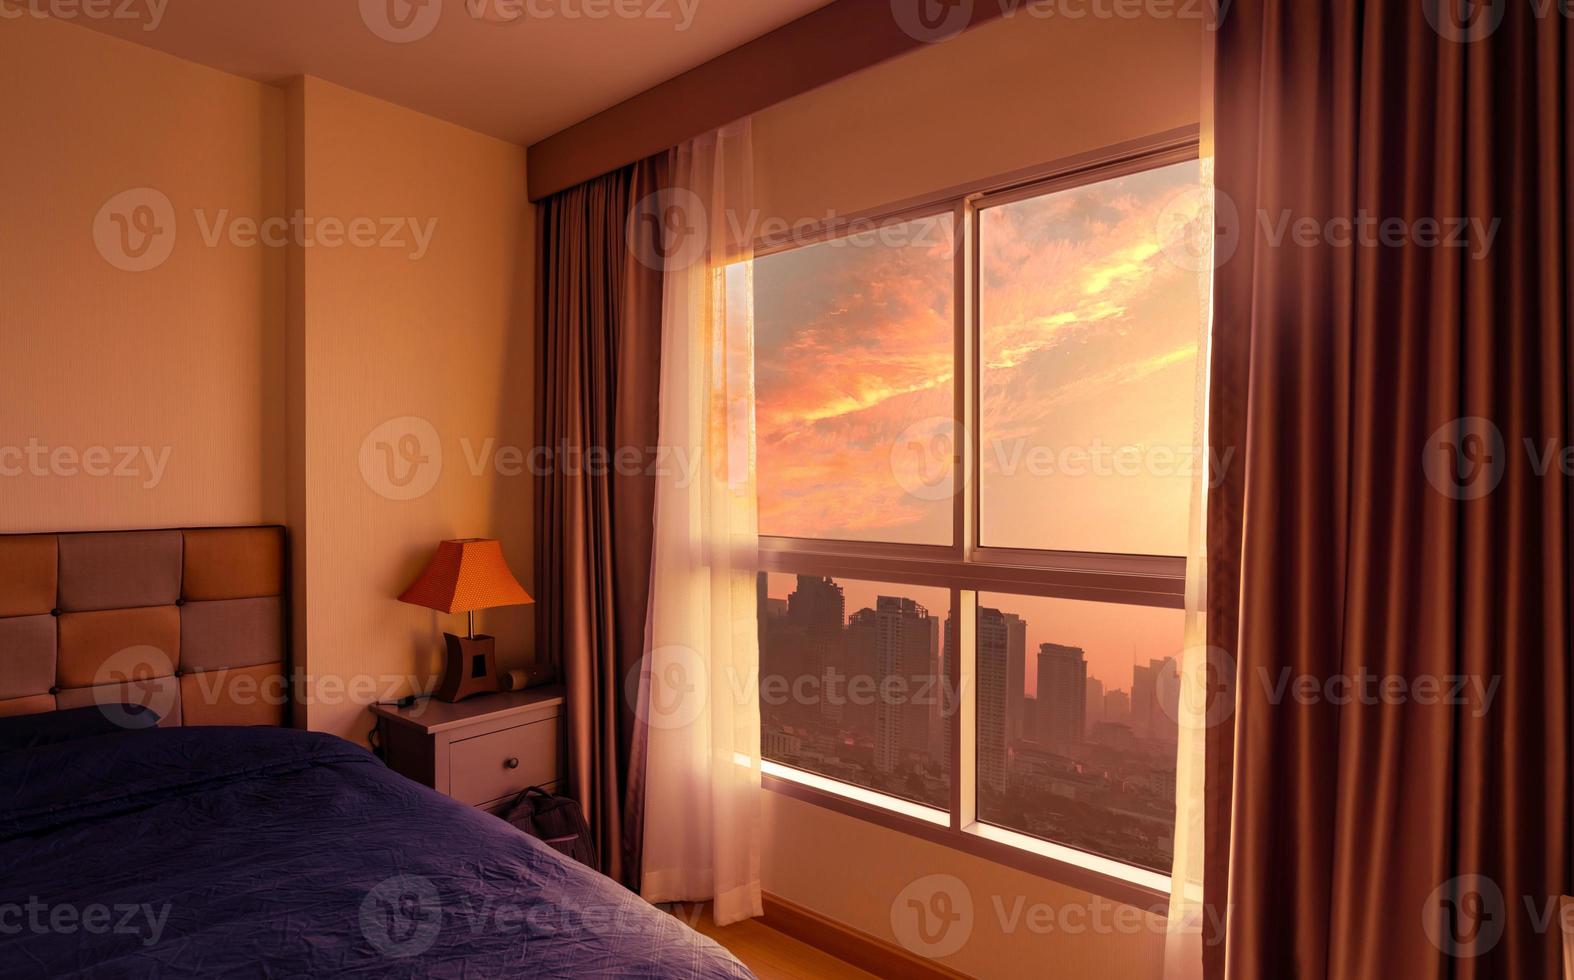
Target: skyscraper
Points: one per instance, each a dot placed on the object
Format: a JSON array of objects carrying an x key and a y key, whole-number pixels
[
  {"x": 1094, "y": 705},
  {"x": 1062, "y": 695},
  {"x": 1155, "y": 691},
  {"x": 1016, "y": 670},
  {"x": 904, "y": 648},
  {"x": 818, "y": 609},
  {"x": 993, "y": 671}
]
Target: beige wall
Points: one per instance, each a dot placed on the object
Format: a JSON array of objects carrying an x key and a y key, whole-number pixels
[
  {"x": 185, "y": 358},
  {"x": 399, "y": 346},
  {"x": 1016, "y": 94},
  {"x": 262, "y": 368}
]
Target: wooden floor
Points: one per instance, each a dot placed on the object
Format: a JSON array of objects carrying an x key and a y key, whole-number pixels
[{"x": 773, "y": 955}]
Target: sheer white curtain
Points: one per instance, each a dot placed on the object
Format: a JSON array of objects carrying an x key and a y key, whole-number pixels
[
  {"x": 702, "y": 798},
  {"x": 1186, "y": 926}
]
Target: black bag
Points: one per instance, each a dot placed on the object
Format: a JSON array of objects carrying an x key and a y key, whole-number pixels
[{"x": 556, "y": 821}]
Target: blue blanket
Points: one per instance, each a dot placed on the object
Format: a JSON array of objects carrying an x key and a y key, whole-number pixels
[{"x": 269, "y": 852}]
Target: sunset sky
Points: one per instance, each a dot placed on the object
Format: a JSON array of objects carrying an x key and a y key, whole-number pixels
[{"x": 1089, "y": 344}]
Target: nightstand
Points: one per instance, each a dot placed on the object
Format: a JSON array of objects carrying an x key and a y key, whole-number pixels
[{"x": 482, "y": 751}]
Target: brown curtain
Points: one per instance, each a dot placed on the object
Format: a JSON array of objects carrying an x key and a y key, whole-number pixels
[
  {"x": 599, "y": 383},
  {"x": 1388, "y": 514}
]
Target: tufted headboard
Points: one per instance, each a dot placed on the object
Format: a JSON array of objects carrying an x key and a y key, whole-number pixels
[{"x": 187, "y": 622}]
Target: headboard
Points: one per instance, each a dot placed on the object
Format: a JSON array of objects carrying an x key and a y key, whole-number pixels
[{"x": 188, "y": 622}]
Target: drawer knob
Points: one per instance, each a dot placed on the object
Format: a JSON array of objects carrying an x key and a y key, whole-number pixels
[{"x": 511, "y": 763}]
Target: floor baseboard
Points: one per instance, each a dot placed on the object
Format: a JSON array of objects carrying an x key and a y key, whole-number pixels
[{"x": 851, "y": 945}]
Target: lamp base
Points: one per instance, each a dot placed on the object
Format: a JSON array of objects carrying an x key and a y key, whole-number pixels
[{"x": 469, "y": 668}]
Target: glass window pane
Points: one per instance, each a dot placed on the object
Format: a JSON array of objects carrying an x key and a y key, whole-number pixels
[
  {"x": 1088, "y": 366},
  {"x": 851, "y": 683},
  {"x": 1077, "y": 723},
  {"x": 854, "y": 369}
]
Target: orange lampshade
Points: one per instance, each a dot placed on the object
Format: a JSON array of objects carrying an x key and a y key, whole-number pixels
[{"x": 466, "y": 575}]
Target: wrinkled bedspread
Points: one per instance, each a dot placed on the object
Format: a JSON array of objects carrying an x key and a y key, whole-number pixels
[{"x": 209, "y": 852}]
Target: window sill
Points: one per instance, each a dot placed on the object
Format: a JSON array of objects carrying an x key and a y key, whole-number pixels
[{"x": 1146, "y": 890}]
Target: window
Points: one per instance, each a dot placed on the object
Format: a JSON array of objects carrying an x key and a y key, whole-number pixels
[
  {"x": 854, "y": 343},
  {"x": 851, "y": 683},
  {"x": 975, "y": 445}
]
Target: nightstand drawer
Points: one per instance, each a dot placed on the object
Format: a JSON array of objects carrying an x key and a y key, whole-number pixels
[{"x": 488, "y": 767}]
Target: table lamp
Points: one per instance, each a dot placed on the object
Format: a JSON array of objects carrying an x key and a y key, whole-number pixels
[{"x": 466, "y": 575}]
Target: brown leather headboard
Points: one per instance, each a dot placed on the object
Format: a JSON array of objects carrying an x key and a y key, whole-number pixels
[{"x": 187, "y": 622}]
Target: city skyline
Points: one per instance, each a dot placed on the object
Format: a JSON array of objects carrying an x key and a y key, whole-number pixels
[{"x": 1066, "y": 761}]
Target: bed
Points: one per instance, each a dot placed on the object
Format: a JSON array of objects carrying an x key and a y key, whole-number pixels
[{"x": 219, "y": 843}]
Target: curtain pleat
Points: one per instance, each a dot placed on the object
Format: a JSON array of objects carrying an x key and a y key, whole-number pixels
[
  {"x": 597, "y": 397},
  {"x": 1390, "y": 530}
]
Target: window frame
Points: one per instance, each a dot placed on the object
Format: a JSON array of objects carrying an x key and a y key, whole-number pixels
[{"x": 965, "y": 567}]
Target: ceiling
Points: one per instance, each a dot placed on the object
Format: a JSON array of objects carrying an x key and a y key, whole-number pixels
[{"x": 517, "y": 69}]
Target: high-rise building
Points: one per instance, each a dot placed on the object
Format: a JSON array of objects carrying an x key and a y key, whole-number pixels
[
  {"x": 1155, "y": 697},
  {"x": 1117, "y": 707},
  {"x": 1094, "y": 705},
  {"x": 904, "y": 648},
  {"x": 1062, "y": 694},
  {"x": 1016, "y": 671},
  {"x": 993, "y": 671},
  {"x": 862, "y": 667},
  {"x": 818, "y": 609}
]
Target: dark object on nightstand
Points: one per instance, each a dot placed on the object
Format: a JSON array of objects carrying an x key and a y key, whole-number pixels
[
  {"x": 556, "y": 821},
  {"x": 484, "y": 751}
]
